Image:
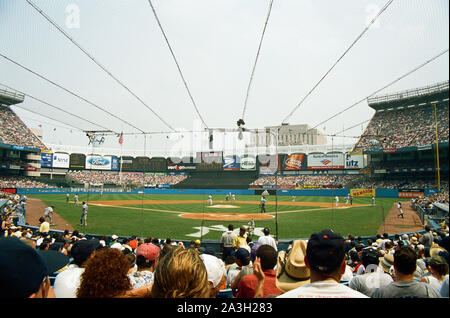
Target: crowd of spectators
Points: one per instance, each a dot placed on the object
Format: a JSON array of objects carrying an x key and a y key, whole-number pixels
[
  {"x": 14, "y": 132},
  {"x": 348, "y": 181},
  {"x": 325, "y": 265},
  {"x": 95, "y": 177},
  {"x": 21, "y": 182},
  {"x": 309, "y": 180},
  {"x": 410, "y": 127}
]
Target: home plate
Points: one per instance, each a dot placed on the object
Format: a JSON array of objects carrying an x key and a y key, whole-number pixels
[{"x": 223, "y": 206}]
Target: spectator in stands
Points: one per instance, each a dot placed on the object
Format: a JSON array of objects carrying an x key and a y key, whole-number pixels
[
  {"x": 242, "y": 267},
  {"x": 226, "y": 242},
  {"x": 115, "y": 242},
  {"x": 438, "y": 268},
  {"x": 427, "y": 238},
  {"x": 241, "y": 239},
  {"x": 215, "y": 269},
  {"x": 24, "y": 271},
  {"x": 373, "y": 275},
  {"x": 267, "y": 257},
  {"x": 267, "y": 239},
  {"x": 325, "y": 259},
  {"x": 291, "y": 269},
  {"x": 180, "y": 274},
  {"x": 146, "y": 260},
  {"x": 44, "y": 226},
  {"x": 68, "y": 281},
  {"x": 105, "y": 275},
  {"x": 405, "y": 286}
]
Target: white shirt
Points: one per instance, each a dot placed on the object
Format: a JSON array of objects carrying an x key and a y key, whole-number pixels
[
  {"x": 67, "y": 282},
  {"x": 268, "y": 240},
  {"x": 323, "y": 289},
  {"x": 48, "y": 210}
]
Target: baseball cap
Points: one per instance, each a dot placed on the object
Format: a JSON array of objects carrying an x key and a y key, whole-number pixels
[
  {"x": 215, "y": 268},
  {"x": 23, "y": 269},
  {"x": 242, "y": 254},
  {"x": 82, "y": 249},
  {"x": 369, "y": 255},
  {"x": 325, "y": 251},
  {"x": 149, "y": 250}
]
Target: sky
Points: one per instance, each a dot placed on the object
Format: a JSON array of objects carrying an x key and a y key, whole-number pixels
[{"x": 215, "y": 43}]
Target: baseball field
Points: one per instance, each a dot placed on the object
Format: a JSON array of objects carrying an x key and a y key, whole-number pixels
[{"x": 188, "y": 217}]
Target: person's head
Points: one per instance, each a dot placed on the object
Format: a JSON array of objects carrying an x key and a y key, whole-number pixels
[
  {"x": 266, "y": 231},
  {"x": 369, "y": 256},
  {"x": 105, "y": 275},
  {"x": 147, "y": 255},
  {"x": 268, "y": 256},
  {"x": 437, "y": 265},
  {"x": 242, "y": 230},
  {"x": 83, "y": 249},
  {"x": 405, "y": 260},
  {"x": 292, "y": 271},
  {"x": 41, "y": 220},
  {"x": 215, "y": 269},
  {"x": 242, "y": 257},
  {"x": 230, "y": 227},
  {"x": 24, "y": 270},
  {"x": 180, "y": 274},
  {"x": 325, "y": 255}
]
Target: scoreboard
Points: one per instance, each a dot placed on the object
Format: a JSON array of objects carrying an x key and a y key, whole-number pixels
[{"x": 77, "y": 161}]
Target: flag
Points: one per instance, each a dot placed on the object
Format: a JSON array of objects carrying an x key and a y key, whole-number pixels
[{"x": 121, "y": 138}]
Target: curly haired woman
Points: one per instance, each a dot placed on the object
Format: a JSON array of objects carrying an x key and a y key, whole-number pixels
[
  {"x": 105, "y": 275},
  {"x": 180, "y": 274}
]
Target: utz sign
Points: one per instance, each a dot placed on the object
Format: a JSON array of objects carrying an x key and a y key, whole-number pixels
[{"x": 354, "y": 161}]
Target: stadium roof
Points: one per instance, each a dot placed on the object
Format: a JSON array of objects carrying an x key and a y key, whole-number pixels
[
  {"x": 10, "y": 97},
  {"x": 423, "y": 95}
]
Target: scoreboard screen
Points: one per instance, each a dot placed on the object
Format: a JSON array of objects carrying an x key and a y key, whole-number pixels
[
  {"x": 157, "y": 165},
  {"x": 141, "y": 164},
  {"x": 77, "y": 161},
  {"x": 127, "y": 164}
]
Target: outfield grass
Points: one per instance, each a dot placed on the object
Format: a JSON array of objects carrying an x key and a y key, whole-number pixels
[{"x": 144, "y": 219}]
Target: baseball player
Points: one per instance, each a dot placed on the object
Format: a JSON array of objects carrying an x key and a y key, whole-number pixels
[
  {"x": 48, "y": 213},
  {"x": 75, "y": 198},
  {"x": 84, "y": 212},
  {"x": 262, "y": 205},
  {"x": 337, "y": 200},
  {"x": 400, "y": 210},
  {"x": 210, "y": 200}
]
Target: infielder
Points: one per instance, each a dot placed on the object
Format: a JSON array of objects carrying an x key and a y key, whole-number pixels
[
  {"x": 210, "y": 200},
  {"x": 84, "y": 212},
  {"x": 262, "y": 204},
  {"x": 48, "y": 213},
  {"x": 400, "y": 210}
]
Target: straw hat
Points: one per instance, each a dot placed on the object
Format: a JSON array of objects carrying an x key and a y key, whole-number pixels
[
  {"x": 386, "y": 262},
  {"x": 291, "y": 268},
  {"x": 435, "y": 249}
]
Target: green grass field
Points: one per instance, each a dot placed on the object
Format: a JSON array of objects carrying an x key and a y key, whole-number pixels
[{"x": 162, "y": 219}]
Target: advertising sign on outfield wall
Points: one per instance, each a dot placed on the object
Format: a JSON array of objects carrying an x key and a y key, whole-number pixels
[
  {"x": 362, "y": 192},
  {"x": 98, "y": 162},
  {"x": 231, "y": 163},
  {"x": 354, "y": 161},
  {"x": 248, "y": 163},
  {"x": 325, "y": 161},
  {"x": 60, "y": 160},
  {"x": 295, "y": 161},
  {"x": 46, "y": 159}
]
